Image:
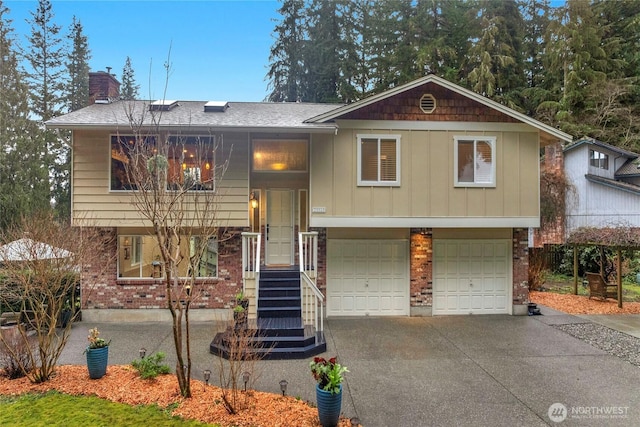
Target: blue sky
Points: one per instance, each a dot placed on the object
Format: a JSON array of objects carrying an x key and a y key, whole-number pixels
[{"x": 219, "y": 49}]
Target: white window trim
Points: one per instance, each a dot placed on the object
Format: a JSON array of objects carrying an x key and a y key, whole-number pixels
[
  {"x": 598, "y": 157},
  {"x": 492, "y": 142},
  {"x": 378, "y": 183}
]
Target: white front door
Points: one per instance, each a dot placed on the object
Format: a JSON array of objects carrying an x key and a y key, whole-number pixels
[
  {"x": 279, "y": 227},
  {"x": 471, "y": 276},
  {"x": 367, "y": 277}
]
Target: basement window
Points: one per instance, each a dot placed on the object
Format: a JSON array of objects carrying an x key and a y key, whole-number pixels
[{"x": 139, "y": 257}]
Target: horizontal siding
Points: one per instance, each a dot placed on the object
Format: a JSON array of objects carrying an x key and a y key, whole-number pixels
[
  {"x": 95, "y": 204},
  {"x": 427, "y": 178}
]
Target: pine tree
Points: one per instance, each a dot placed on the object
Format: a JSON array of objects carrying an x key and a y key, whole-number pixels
[
  {"x": 286, "y": 70},
  {"x": 322, "y": 52},
  {"x": 24, "y": 185},
  {"x": 129, "y": 89},
  {"x": 78, "y": 68},
  {"x": 495, "y": 60},
  {"x": 46, "y": 55},
  {"x": 575, "y": 64}
]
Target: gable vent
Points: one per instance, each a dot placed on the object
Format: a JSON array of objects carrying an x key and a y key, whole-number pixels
[
  {"x": 162, "y": 105},
  {"x": 216, "y": 106},
  {"x": 427, "y": 103}
]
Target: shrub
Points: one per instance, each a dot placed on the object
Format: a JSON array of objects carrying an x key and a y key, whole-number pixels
[
  {"x": 15, "y": 351},
  {"x": 151, "y": 366}
]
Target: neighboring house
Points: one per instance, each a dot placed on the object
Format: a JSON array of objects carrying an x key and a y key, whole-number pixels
[
  {"x": 606, "y": 185},
  {"x": 421, "y": 196}
]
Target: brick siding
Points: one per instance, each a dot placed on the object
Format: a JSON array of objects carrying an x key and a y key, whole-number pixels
[
  {"x": 421, "y": 267},
  {"x": 101, "y": 288},
  {"x": 520, "y": 266}
]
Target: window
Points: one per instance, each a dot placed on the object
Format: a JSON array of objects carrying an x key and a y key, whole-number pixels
[
  {"x": 188, "y": 162},
  {"x": 379, "y": 160},
  {"x": 279, "y": 155},
  {"x": 191, "y": 162},
  {"x": 475, "y": 162},
  {"x": 598, "y": 159},
  {"x": 126, "y": 154},
  {"x": 139, "y": 257}
]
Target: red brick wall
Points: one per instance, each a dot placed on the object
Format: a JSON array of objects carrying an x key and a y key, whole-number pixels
[
  {"x": 421, "y": 267},
  {"x": 101, "y": 287},
  {"x": 520, "y": 265},
  {"x": 103, "y": 86},
  {"x": 321, "y": 281},
  {"x": 553, "y": 233}
]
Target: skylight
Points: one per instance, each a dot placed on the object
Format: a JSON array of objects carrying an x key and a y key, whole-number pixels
[
  {"x": 162, "y": 105},
  {"x": 216, "y": 106}
]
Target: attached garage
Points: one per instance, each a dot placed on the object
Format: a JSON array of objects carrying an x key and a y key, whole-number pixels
[
  {"x": 472, "y": 276},
  {"x": 367, "y": 277}
]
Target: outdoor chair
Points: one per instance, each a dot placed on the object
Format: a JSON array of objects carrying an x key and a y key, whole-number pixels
[{"x": 599, "y": 288}]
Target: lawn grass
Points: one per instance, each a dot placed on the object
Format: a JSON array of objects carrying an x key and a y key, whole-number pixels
[
  {"x": 563, "y": 284},
  {"x": 58, "y": 409}
]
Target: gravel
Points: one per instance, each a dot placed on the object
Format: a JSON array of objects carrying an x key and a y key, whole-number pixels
[{"x": 616, "y": 343}]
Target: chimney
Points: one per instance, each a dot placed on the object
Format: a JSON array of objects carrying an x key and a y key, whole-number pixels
[{"x": 103, "y": 87}]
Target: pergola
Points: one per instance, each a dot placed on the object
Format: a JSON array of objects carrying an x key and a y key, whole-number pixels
[{"x": 615, "y": 238}]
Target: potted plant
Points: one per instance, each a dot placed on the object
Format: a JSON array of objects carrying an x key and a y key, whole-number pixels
[
  {"x": 240, "y": 318},
  {"x": 328, "y": 375},
  {"x": 97, "y": 354},
  {"x": 242, "y": 300}
]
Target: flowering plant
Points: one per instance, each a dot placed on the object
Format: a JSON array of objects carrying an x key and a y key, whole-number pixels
[
  {"x": 95, "y": 341},
  {"x": 328, "y": 374}
]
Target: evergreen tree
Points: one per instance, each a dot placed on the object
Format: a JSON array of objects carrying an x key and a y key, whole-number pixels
[
  {"x": 24, "y": 185},
  {"x": 495, "y": 60},
  {"x": 443, "y": 33},
  {"x": 129, "y": 89},
  {"x": 286, "y": 70},
  {"x": 78, "y": 68},
  {"x": 536, "y": 15},
  {"x": 392, "y": 51},
  {"x": 576, "y": 64},
  {"x": 46, "y": 55},
  {"x": 322, "y": 52}
]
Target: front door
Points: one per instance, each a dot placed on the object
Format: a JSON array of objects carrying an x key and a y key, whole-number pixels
[{"x": 279, "y": 227}]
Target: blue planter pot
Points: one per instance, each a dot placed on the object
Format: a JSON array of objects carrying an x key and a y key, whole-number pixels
[
  {"x": 97, "y": 359},
  {"x": 329, "y": 406}
]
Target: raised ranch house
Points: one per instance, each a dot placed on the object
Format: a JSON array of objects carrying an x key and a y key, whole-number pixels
[{"x": 417, "y": 200}]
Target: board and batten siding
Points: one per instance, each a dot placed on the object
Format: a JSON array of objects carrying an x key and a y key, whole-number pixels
[
  {"x": 427, "y": 180},
  {"x": 591, "y": 204},
  {"x": 94, "y": 204}
]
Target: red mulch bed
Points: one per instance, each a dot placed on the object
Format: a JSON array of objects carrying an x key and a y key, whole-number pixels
[
  {"x": 123, "y": 384},
  {"x": 578, "y": 304}
]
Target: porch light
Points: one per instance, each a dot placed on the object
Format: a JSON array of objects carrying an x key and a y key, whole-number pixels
[
  {"x": 283, "y": 386},
  {"x": 253, "y": 200},
  {"x": 187, "y": 289},
  {"x": 207, "y": 376},
  {"x": 143, "y": 352}
]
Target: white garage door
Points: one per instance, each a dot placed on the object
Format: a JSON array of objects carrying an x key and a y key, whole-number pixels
[
  {"x": 471, "y": 276},
  {"x": 367, "y": 277}
]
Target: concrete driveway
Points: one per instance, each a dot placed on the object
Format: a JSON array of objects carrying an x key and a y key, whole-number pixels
[{"x": 432, "y": 371}]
